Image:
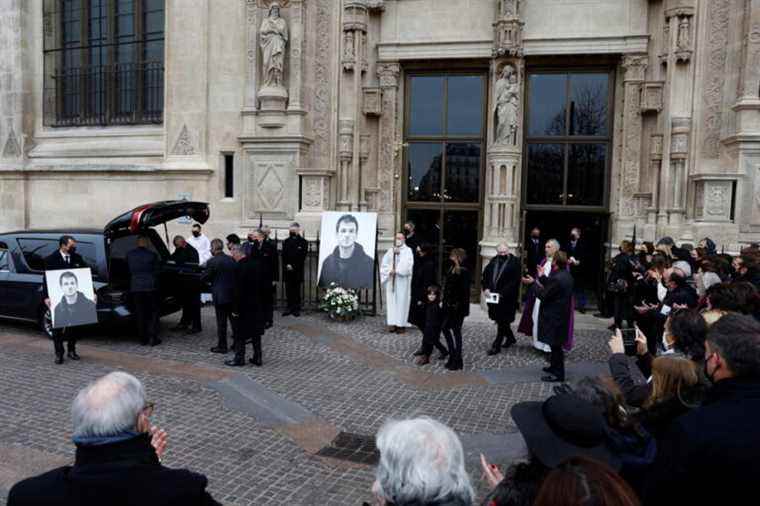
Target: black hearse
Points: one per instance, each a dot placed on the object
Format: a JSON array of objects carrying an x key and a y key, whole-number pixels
[{"x": 22, "y": 256}]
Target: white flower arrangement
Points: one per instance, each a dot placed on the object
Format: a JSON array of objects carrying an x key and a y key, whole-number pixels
[{"x": 340, "y": 303}]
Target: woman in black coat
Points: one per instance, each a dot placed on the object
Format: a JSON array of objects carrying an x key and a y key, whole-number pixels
[
  {"x": 456, "y": 306},
  {"x": 621, "y": 284},
  {"x": 423, "y": 277}
]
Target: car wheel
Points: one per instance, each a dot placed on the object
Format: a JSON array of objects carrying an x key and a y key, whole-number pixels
[{"x": 46, "y": 321}]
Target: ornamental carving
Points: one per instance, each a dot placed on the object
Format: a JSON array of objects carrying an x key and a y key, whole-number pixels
[
  {"x": 712, "y": 98},
  {"x": 508, "y": 40},
  {"x": 717, "y": 199},
  {"x": 509, "y": 8},
  {"x": 273, "y": 37},
  {"x": 655, "y": 148},
  {"x": 651, "y": 96},
  {"x": 322, "y": 97},
  {"x": 387, "y": 74},
  {"x": 371, "y": 102},
  {"x": 184, "y": 144},
  {"x": 12, "y": 149},
  {"x": 683, "y": 40},
  {"x": 635, "y": 66},
  {"x": 346, "y": 138}
]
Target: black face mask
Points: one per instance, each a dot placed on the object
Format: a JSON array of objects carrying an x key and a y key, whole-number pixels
[
  {"x": 196, "y": 233},
  {"x": 293, "y": 234},
  {"x": 407, "y": 231},
  {"x": 72, "y": 250},
  {"x": 534, "y": 237}
]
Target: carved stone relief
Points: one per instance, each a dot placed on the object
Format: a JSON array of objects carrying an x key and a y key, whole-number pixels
[
  {"x": 267, "y": 184},
  {"x": 635, "y": 70},
  {"x": 507, "y": 99},
  {"x": 322, "y": 97},
  {"x": 712, "y": 200},
  {"x": 712, "y": 98},
  {"x": 371, "y": 102},
  {"x": 184, "y": 144},
  {"x": 12, "y": 149},
  {"x": 717, "y": 199},
  {"x": 509, "y": 8},
  {"x": 388, "y": 74},
  {"x": 651, "y": 97}
]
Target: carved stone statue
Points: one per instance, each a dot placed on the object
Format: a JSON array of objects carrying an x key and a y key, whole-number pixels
[
  {"x": 273, "y": 36},
  {"x": 684, "y": 34},
  {"x": 507, "y": 106}
]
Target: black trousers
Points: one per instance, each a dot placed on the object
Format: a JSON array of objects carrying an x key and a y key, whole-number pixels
[
  {"x": 623, "y": 309},
  {"x": 557, "y": 361},
  {"x": 65, "y": 334},
  {"x": 431, "y": 338},
  {"x": 503, "y": 331},
  {"x": 146, "y": 311},
  {"x": 269, "y": 305},
  {"x": 191, "y": 309},
  {"x": 453, "y": 325},
  {"x": 224, "y": 313},
  {"x": 293, "y": 294}
]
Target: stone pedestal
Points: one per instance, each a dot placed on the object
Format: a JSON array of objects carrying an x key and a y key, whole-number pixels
[{"x": 272, "y": 106}]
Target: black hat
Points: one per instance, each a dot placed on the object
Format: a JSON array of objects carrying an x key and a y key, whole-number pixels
[{"x": 562, "y": 427}]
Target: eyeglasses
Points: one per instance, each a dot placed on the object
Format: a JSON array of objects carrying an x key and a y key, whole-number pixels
[{"x": 149, "y": 408}]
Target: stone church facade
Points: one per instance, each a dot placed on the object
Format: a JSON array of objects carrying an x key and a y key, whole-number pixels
[{"x": 474, "y": 118}]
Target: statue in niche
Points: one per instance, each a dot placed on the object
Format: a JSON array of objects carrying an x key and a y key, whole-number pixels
[
  {"x": 273, "y": 38},
  {"x": 507, "y": 105},
  {"x": 684, "y": 35},
  {"x": 348, "y": 46},
  {"x": 509, "y": 8}
]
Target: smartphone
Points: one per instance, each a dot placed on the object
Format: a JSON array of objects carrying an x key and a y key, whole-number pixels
[{"x": 629, "y": 341}]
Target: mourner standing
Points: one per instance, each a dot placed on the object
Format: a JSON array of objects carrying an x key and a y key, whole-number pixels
[
  {"x": 412, "y": 239},
  {"x": 576, "y": 259},
  {"x": 534, "y": 250},
  {"x": 189, "y": 289},
  {"x": 252, "y": 288},
  {"x": 268, "y": 253},
  {"x": 144, "y": 265},
  {"x": 555, "y": 291},
  {"x": 423, "y": 277},
  {"x": 456, "y": 306},
  {"x": 65, "y": 257},
  {"x": 396, "y": 276},
  {"x": 431, "y": 334},
  {"x": 220, "y": 274},
  {"x": 294, "y": 251},
  {"x": 501, "y": 278}
]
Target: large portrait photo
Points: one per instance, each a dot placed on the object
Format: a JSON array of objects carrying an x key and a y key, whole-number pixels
[
  {"x": 347, "y": 249},
  {"x": 72, "y": 297}
]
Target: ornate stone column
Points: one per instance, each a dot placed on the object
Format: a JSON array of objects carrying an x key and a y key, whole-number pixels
[
  {"x": 635, "y": 66},
  {"x": 389, "y": 153},
  {"x": 505, "y": 131}
]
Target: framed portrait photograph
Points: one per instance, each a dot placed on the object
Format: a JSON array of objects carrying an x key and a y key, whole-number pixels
[
  {"x": 347, "y": 249},
  {"x": 72, "y": 297}
]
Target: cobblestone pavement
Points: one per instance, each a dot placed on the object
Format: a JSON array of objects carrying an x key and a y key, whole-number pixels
[{"x": 346, "y": 376}]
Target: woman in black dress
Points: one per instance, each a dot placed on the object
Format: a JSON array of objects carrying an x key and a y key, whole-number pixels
[{"x": 456, "y": 306}]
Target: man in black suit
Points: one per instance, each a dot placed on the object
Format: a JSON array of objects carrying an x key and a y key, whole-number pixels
[
  {"x": 555, "y": 292},
  {"x": 348, "y": 265},
  {"x": 534, "y": 250},
  {"x": 220, "y": 274},
  {"x": 144, "y": 265},
  {"x": 502, "y": 276},
  {"x": 265, "y": 252},
  {"x": 189, "y": 289},
  {"x": 273, "y": 259},
  {"x": 576, "y": 258},
  {"x": 294, "y": 251},
  {"x": 251, "y": 289},
  {"x": 65, "y": 257}
]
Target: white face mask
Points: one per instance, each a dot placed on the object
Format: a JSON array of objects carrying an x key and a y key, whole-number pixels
[{"x": 399, "y": 243}]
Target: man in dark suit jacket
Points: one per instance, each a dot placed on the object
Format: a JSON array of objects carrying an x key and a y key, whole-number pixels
[
  {"x": 556, "y": 293},
  {"x": 65, "y": 257},
  {"x": 144, "y": 265},
  {"x": 576, "y": 258},
  {"x": 251, "y": 290},
  {"x": 189, "y": 290},
  {"x": 502, "y": 276},
  {"x": 220, "y": 274},
  {"x": 294, "y": 251},
  {"x": 265, "y": 250},
  {"x": 534, "y": 250}
]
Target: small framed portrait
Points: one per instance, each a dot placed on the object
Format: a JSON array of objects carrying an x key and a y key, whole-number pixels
[{"x": 72, "y": 297}]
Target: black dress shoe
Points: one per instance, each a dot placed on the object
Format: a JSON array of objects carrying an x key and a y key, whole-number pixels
[
  {"x": 256, "y": 361},
  {"x": 73, "y": 355},
  {"x": 551, "y": 378},
  {"x": 218, "y": 349},
  {"x": 59, "y": 359},
  {"x": 296, "y": 313},
  {"x": 234, "y": 363},
  {"x": 419, "y": 352},
  {"x": 155, "y": 342},
  {"x": 493, "y": 351},
  {"x": 451, "y": 367},
  {"x": 509, "y": 343},
  {"x": 548, "y": 369},
  {"x": 286, "y": 313},
  {"x": 194, "y": 331},
  {"x": 443, "y": 356}
]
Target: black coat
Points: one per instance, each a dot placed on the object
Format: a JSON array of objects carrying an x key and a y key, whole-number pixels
[
  {"x": 710, "y": 455},
  {"x": 294, "y": 252},
  {"x": 423, "y": 276},
  {"x": 55, "y": 262},
  {"x": 456, "y": 294},
  {"x": 622, "y": 269},
  {"x": 503, "y": 277},
  {"x": 579, "y": 253},
  {"x": 266, "y": 253},
  {"x": 126, "y": 473},
  {"x": 187, "y": 286},
  {"x": 144, "y": 266},
  {"x": 186, "y": 255},
  {"x": 253, "y": 291},
  {"x": 681, "y": 295},
  {"x": 555, "y": 292},
  {"x": 534, "y": 253},
  {"x": 357, "y": 271},
  {"x": 220, "y": 274}
]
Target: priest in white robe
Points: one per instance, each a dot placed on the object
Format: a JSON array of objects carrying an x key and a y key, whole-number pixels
[
  {"x": 396, "y": 277},
  {"x": 201, "y": 243}
]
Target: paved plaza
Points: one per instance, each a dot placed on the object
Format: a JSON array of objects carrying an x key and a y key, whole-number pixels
[{"x": 297, "y": 431}]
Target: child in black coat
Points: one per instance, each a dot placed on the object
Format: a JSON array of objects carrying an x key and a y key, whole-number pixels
[{"x": 431, "y": 336}]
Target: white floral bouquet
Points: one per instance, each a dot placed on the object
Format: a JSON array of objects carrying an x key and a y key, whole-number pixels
[{"x": 340, "y": 303}]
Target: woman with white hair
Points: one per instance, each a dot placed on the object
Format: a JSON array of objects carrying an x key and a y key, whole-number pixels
[{"x": 421, "y": 463}]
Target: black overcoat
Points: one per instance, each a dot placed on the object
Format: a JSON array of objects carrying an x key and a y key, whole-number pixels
[
  {"x": 423, "y": 276},
  {"x": 456, "y": 294},
  {"x": 555, "y": 292},
  {"x": 294, "y": 251},
  {"x": 503, "y": 277}
]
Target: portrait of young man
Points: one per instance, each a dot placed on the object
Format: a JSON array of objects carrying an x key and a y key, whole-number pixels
[
  {"x": 347, "y": 250},
  {"x": 74, "y": 307}
]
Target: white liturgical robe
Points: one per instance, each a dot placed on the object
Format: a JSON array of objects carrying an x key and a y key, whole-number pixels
[
  {"x": 398, "y": 294},
  {"x": 203, "y": 245}
]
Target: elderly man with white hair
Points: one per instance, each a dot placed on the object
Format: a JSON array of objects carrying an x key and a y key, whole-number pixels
[
  {"x": 421, "y": 463},
  {"x": 118, "y": 456}
]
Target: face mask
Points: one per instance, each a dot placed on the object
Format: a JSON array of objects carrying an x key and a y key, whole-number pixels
[
  {"x": 534, "y": 236},
  {"x": 399, "y": 243},
  {"x": 407, "y": 231},
  {"x": 574, "y": 237},
  {"x": 293, "y": 233},
  {"x": 72, "y": 250},
  {"x": 196, "y": 233}
]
